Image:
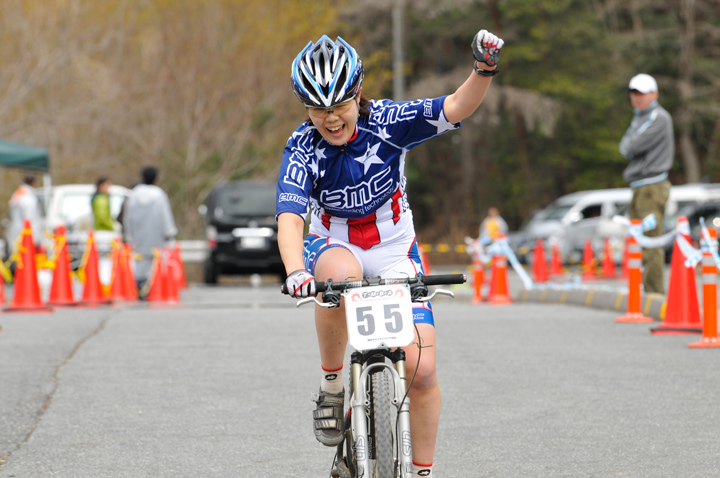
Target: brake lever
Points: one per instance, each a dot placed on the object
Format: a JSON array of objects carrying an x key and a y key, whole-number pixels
[
  {"x": 436, "y": 292},
  {"x": 307, "y": 300}
]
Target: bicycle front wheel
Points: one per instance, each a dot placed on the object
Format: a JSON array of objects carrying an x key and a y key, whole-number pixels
[{"x": 383, "y": 422}]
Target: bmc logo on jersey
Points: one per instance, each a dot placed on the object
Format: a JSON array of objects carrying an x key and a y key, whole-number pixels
[
  {"x": 427, "y": 108},
  {"x": 292, "y": 198},
  {"x": 361, "y": 194},
  {"x": 296, "y": 175}
]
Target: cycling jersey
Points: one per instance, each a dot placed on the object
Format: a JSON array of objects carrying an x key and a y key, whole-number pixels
[{"x": 356, "y": 192}]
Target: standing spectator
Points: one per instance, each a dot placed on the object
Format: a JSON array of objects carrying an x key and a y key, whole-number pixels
[
  {"x": 100, "y": 203},
  {"x": 148, "y": 222},
  {"x": 649, "y": 146},
  {"x": 24, "y": 204},
  {"x": 493, "y": 225}
]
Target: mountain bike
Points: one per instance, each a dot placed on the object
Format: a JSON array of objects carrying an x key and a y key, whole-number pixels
[{"x": 379, "y": 318}]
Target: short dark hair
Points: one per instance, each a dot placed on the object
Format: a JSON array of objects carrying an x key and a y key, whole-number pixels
[
  {"x": 149, "y": 174},
  {"x": 29, "y": 180},
  {"x": 101, "y": 180}
]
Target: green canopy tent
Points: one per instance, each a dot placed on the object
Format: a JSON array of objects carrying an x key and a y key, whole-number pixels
[
  {"x": 13, "y": 155},
  {"x": 31, "y": 158}
]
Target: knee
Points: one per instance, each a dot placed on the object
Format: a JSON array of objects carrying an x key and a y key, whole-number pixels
[
  {"x": 338, "y": 267},
  {"x": 425, "y": 378}
]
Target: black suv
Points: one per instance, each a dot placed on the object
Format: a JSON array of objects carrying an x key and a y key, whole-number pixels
[{"x": 241, "y": 230}]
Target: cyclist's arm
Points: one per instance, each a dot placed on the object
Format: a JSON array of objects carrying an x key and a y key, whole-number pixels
[
  {"x": 290, "y": 240},
  {"x": 468, "y": 97}
]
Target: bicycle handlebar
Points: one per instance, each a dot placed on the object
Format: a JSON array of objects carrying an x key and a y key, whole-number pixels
[{"x": 435, "y": 279}]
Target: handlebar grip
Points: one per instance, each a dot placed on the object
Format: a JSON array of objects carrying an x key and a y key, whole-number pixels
[
  {"x": 443, "y": 279},
  {"x": 319, "y": 286}
]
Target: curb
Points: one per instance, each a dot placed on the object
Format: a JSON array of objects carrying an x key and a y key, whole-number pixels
[{"x": 653, "y": 305}]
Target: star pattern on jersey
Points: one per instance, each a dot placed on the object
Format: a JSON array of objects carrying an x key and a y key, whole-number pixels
[
  {"x": 370, "y": 157},
  {"x": 315, "y": 166},
  {"x": 384, "y": 134},
  {"x": 441, "y": 124}
]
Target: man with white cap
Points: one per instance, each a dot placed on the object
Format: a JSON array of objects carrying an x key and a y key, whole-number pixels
[{"x": 649, "y": 146}]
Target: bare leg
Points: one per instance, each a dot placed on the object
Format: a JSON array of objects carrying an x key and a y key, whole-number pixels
[
  {"x": 424, "y": 396},
  {"x": 337, "y": 264}
]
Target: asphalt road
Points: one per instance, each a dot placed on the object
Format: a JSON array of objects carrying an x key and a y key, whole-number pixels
[{"x": 220, "y": 386}]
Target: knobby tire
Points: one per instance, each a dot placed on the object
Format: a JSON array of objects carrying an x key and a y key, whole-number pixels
[{"x": 383, "y": 423}]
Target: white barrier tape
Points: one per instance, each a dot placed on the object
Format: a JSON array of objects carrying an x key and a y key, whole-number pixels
[
  {"x": 692, "y": 255},
  {"x": 651, "y": 242},
  {"x": 648, "y": 223},
  {"x": 705, "y": 245},
  {"x": 495, "y": 249},
  {"x": 505, "y": 250},
  {"x": 485, "y": 239},
  {"x": 475, "y": 248}
]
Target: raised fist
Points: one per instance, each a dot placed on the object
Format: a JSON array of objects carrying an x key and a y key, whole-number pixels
[{"x": 486, "y": 47}]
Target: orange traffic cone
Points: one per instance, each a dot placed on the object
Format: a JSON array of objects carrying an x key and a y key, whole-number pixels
[
  {"x": 709, "y": 271},
  {"x": 182, "y": 283},
  {"x": 27, "y": 288},
  {"x": 634, "y": 315},
  {"x": 61, "y": 293},
  {"x": 156, "y": 284},
  {"x": 556, "y": 262},
  {"x": 539, "y": 265},
  {"x": 93, "y": 294},
  {"x": 478, "y": 273},
  {"x": 499, "y": 288},
  {"x": 608, "y": 264},
  {"x": 116, "y": 280},
  {"x": 682, "y": 314},
  {"x": 122, "y": 286},
  {"x": 130, "y": 285},
  {"x": 173, "y": 279},
  {"x": 624, "y": 268},
  {"x": 589, "y": 262},
  {"x": 160, "y": 286}
]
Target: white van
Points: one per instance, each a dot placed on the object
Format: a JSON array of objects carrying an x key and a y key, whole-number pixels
[
  {"x": 570, "y": 218},
  {"x": 579, "y": 228},
  {"x": 685, "y": 195}
]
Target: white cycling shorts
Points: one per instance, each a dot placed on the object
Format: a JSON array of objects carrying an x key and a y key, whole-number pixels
[{"x": 396, "y": 259}]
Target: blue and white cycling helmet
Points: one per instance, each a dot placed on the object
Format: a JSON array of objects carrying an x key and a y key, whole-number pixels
[{"x": 326, "y": 73}]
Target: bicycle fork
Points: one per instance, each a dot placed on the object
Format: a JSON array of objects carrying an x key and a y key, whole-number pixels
[{"x": 362, "y": 367}]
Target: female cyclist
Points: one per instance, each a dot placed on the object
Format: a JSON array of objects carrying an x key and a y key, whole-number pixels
[{"x": 346, "y": 165}]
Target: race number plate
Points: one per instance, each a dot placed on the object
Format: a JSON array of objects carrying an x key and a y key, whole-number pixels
[{"x": 379, "y": 316}]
